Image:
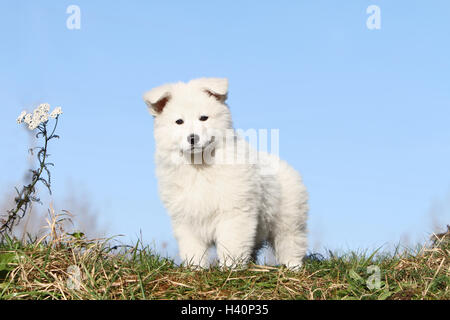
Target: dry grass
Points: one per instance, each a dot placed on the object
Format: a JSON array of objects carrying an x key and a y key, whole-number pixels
[{"x": 44, "y": 269}]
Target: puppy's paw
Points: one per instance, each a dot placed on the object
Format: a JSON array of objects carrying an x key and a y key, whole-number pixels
[
  {"x": 293, "y": 266},
  {"x": 195, "y": 266},
  {"x": 233, "y": 264}
]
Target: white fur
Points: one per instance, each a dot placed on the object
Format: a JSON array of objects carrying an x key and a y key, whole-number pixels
[{"x": 238, "y": 207}]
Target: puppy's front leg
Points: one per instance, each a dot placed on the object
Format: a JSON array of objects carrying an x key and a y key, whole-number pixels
[
  {"x": 235, "y": 239},
  {"x": 193, "y": 250}
]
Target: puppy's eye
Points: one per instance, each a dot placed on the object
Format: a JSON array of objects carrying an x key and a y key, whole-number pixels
[
  {"x": 179, "y": 121},
  {"x": 203, "y": 118}
]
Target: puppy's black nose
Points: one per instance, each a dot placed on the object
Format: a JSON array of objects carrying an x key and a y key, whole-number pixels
[{"x": 193, "y": 139}]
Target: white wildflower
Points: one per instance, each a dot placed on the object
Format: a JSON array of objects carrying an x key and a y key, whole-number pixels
[
  {"x": 56, "y": 112},
  {"x": 38, "y": 116},
  {"x": 37, "y": 113},
  {"x": 43, "y": 118},
  {"x": 21, "y": 116},
  {"x": 27, "y": 118},
  {"x": 33, "y": 125},
  {"x": 44, "y": 107}
]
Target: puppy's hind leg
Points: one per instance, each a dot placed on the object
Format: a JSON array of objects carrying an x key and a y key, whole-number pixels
[
  {"x": 290, "y": 247},
  {"x": 289, "y": 229},
  {"x": 289, "y": 237}
]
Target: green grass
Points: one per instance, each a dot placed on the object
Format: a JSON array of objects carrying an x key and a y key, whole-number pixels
[{"x": 38, "y": 269}]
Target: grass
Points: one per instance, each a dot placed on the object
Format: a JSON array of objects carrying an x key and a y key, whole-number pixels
[{"x": 48, "y": 268}]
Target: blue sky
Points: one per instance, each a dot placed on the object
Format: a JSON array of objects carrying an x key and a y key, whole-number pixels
[{"x": 363, "y": 114}]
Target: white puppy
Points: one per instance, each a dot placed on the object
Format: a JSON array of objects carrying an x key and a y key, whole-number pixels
[{"x": 215, "y": 191}]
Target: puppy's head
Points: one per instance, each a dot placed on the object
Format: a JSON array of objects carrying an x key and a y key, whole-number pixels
[{"x": 189, "y": 117}]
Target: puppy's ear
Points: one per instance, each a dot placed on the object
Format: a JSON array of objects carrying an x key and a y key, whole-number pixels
[
  {"x": 157, "y": 98},
  {"x": 215, "y": 87}
]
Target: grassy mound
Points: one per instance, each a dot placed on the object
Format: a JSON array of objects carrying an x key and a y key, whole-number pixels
[{"x": 68, "y": 266}]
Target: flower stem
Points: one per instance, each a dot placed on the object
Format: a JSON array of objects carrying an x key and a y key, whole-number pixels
[{"x": 26, "y": 195}]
